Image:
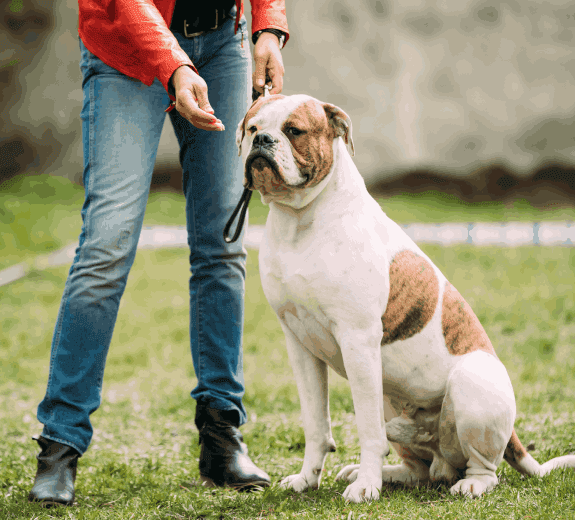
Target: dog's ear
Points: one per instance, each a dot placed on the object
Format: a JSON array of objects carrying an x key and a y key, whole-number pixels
[
  {"x": 240, "y": 132},
  {"x": 340, "y": 122}
]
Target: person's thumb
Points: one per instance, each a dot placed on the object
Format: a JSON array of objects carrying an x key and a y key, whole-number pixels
[{"x": 203, "y": 102}]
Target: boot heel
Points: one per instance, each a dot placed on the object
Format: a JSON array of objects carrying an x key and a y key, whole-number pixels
[{"x": 207, "y": 482}]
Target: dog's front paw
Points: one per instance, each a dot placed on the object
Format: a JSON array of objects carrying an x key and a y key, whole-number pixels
[
  {"x": 362, "y": 490},
  {"x": 348, "y": 473},
  {"x": 298, "y": 483},
  {"x": 474, "y": 487}
]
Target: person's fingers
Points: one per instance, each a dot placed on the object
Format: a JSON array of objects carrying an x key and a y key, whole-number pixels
[
  {"x": 259, "y": 75},
  {"x": 188, "y": 108},
  {"x": 212, "y": 127},
  {"x": 268, "y": 63}
]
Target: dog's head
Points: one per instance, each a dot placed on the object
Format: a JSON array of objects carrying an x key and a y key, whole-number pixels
[{"x": 287, "y": 144}]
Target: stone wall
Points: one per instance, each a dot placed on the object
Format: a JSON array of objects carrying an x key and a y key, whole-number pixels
[{"x": 455, "y": 87}]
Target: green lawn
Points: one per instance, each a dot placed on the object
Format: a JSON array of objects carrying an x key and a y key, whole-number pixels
[
  {"x": 143, "y": 459},
  {"x": 40, "y": 214}
]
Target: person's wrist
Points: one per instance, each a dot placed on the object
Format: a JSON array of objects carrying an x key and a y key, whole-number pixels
[
  {"x": 173, "y": 83},
  {"x": 279, "y": 34}
]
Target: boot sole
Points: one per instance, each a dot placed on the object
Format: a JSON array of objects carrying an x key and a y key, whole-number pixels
[
  {"x": 251, "y": 486},
  {"x": 47, "y": 504}
]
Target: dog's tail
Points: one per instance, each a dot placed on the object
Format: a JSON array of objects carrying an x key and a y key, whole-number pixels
[{"x": 518, "y": 458}]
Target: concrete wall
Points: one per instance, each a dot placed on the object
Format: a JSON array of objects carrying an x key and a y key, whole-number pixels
[{"x": 450, "y": 85}]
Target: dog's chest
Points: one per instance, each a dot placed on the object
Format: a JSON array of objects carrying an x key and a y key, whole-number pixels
[{"x": 314, "y": 332}]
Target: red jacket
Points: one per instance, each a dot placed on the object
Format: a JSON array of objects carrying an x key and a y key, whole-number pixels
[{"x": 133, "y": 36}]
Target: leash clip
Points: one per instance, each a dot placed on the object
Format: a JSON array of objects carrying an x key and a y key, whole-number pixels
[{"x": 243, "y": 206}]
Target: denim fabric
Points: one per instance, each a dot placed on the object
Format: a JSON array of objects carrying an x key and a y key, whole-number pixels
[{"x": 122, "y": 121}]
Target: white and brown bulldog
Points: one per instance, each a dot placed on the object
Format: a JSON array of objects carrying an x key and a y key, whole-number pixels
[{"x": 352, "y": 291}]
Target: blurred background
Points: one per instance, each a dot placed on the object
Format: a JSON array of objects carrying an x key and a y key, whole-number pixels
[
  {"x": 462, "y": 116},
  {"x": 471, "y": 97}
]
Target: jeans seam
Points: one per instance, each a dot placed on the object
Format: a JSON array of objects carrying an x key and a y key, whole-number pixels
[
  {"x": 56, "y": 342},
  {"x": 197, "y": 325}
]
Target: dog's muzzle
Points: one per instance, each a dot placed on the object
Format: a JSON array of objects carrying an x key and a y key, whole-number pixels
[{"x": 261, "y": 156}]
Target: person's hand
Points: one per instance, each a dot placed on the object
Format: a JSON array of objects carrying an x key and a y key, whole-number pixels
[
  {"x": 268, "y": 61},
  {"x": 192, "y": 99}
]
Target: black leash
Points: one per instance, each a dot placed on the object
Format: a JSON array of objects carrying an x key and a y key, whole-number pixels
[
  {"x": 243, "y": 206},
  {"x": 247, "y": 194}
]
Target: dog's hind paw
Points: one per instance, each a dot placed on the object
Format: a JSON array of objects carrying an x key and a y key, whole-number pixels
[
  {"x": 475, "y": 486},
  {"x": 348, "y": 473},
  {"x": 298, "y": 483},
  {"x": 361, "y": 491}
]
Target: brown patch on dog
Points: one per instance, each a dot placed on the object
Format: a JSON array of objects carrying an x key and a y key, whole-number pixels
[
  {"x": 264, "y": 179},
  {"x": 413, "y": 295},
  {"x": 288, "y": 307},
  {"x": 461, "y": 328},
  {"x": 515, "y": 451},
  {"x": 312, "y": 150}
]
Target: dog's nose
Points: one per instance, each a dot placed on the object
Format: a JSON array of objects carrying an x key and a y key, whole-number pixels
[{"x": 263, "y": 139}]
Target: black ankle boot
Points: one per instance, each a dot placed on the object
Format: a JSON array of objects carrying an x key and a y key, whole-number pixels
[
  {"x": 54, "y": 484},
  {"x": 224, "y": 459}
]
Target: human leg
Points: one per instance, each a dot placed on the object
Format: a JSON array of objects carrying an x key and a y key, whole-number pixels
[
  {"x": 212, "y": 186},
  {"x": 121, "y": 126}
]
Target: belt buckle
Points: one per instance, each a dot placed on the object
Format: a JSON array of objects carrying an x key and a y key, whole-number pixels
[
  {"x": 191, "y": 35},
  {"x": 215, "y": 26}
]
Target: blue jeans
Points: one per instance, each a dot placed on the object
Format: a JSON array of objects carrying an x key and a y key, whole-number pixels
[{"x": 122, "y": 121}]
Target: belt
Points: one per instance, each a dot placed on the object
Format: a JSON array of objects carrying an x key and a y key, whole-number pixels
[{"x": 191, "y": 18}]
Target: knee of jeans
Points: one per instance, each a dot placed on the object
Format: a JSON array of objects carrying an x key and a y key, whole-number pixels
[
  {"x": 111, "y": 255},
  {"x": 223, "y": 258}
]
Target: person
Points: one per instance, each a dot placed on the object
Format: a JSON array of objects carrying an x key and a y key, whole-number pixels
[{"x": 136, "y": 58}]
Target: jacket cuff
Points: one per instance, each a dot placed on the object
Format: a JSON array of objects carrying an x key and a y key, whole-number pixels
[{"x": 169, "y": 72}]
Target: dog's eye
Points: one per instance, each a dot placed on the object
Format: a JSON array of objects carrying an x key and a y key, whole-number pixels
[
  {"x": 252, "y": 129},
  {"x": 294, "y": 131}
]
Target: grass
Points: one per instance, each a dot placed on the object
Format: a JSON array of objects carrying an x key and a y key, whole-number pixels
[
  {"x": 435, "y": 206},
  {"x": 41, "y": 214},
  {"x": 143, "y": 459}
]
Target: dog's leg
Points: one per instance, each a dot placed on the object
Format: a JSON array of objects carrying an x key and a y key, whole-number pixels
[
  {"x": 361, "y": 353},
  {"x": 476, "y": 420},
  {"x": 311, "y": 379},
  {"x": 411, "y": 472}
]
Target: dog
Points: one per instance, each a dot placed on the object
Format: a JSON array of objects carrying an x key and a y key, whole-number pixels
[{"x": 353, "y": 292}]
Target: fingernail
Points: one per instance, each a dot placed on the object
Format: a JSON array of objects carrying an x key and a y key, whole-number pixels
[{"x": 260, "y": 82}]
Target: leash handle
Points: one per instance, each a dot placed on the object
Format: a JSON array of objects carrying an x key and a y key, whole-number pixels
[{"x": 243, "y": 206}]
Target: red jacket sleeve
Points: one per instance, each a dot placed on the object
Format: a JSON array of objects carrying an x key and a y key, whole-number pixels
[
  {"x": 269, "y": 14},
  {"x": 132, "y": 35}
]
